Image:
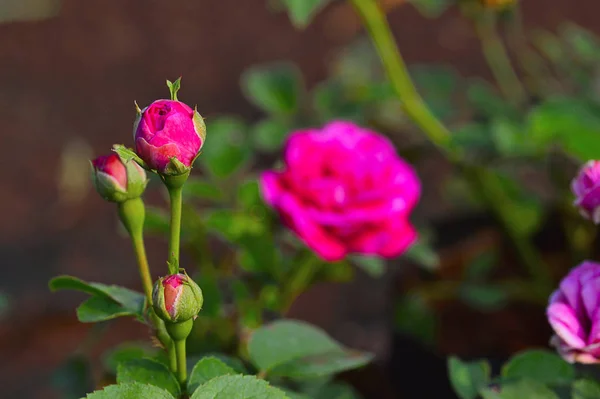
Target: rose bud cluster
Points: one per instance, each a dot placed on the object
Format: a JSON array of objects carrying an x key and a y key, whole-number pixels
[
  {"x": 586, "y": 187},
  {"x": 117, "y": 181},
  {"x": 344, "y": 190},
  {"x": 177, "y": 298},
  {"x": 574, "y": 314},
  {"x": 168, "y": 136}
]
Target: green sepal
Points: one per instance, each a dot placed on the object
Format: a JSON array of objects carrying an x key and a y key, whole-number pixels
[
  {"x": 199, "y": 125},
  {"x": 107, "y": 186},
  {"x": 174, "y": 88},
  {"x": 174, "y": 181},
  {"x": 175, "y": 168},
  {"x": 127, "y": 154},
  {"x": 179, "y": 331},
  {"x": 136, "y": 179}
]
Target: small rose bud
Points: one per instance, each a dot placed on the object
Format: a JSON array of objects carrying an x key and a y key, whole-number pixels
[
  {"x": 117, "y": 181},
  {"x": 586, "y": 187},
  {"x": 177, "y": 298},
  {"x": 168, "y": 136}
]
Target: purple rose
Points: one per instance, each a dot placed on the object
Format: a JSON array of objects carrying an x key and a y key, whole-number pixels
[
  {"x": 574, "y": 314},
  {"x": 167, "y": 130},
  {"x": 344, "y": 190},
  {"x": 586, "y": 187}
]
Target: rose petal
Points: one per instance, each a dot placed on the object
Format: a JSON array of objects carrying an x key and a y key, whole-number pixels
[
  {"x": 313, "y": 235},
  {"x": 563, "y": 320},
  {"x": 156, "y": 157}
]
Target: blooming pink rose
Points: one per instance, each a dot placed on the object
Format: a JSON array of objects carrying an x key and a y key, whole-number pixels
[
  {"x": 574, "y": 314},
  {"x": 586, "y": 187},
  {"x": 168, "y": 129},
  {"x": 116, "y": 181},
  {"x": 344, "y": 190}
]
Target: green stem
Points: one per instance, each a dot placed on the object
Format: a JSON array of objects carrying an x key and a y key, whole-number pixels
[
  {"x": 132, "y": 214},
  {"x": 303, "y": 276},
  {"x": 140, "y": 253},
  {"x": 181, "y": 362},
  {"x": 381, "y": 35},
  {"x": 175, "y": 194},
  {"x": 497, "y": 58},
  {"x": 413, "y": 104}
]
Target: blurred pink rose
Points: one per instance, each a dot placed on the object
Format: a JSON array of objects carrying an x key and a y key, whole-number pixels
[
  {"x": 344, "y": 190},
  {"x": 574, "y": 314},
  {"x": 168, "y": 129}
]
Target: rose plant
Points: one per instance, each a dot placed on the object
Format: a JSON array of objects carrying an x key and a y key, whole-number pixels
[{"x": 168, "y": 138}]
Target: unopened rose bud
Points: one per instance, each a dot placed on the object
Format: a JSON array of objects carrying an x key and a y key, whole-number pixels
[
  {"x": 168, "y": 136},
  {"x": 177, "y": 298},
  {"x": 586, "y": 187},
  {"x": 117, "y": 181}
]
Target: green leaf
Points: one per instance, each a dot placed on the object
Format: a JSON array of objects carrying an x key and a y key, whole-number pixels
[
  {"x": 74, "y": 377},
  {"x": 484, "y": 98},
  {"x": 274, "y": 88},
  {"x": 511, "y": 139},
  {"x": 126, "y": 352},
  {"x": 296, "y": 349},
  {"x": 322, "y": 365},
  {"x": 100, "y": 308},
  {"x": 423, "y": 254},
  {"x": 468, "y": 379},
  {"x": 520, "y": 390},
  {"x": 337, "y": 391},
  {"x": 131, "y": 391},
  {"x": 107, "y": 301},
  {"x": 28, "y": 10},
  {"x": 582, "y": 42},
  {"x": 431, "y": 8},
  {"x": 199, "y": 188},
  {"x": 415, "y": 318},
  {"x": 301, "y": 12},
  {"x": 270, "y": 134},
  {"x": 206, "y": 369},
  {"x": 586, "y": 389},
  {"x": 174, "y": 88},
  {"x": 228, "y": 149},
  {"x": 127, "y": 154},
  {"x": 437, "y": 84},
  {"x": 147, "y": 371},
  {"x": 523, "y": 210},
  {"x": 483, "y": 297},
  {"x": 372, "y": 265},
  {"x": 237, "y": 387},
  {"x": 539, "y": 365},
  {"x": 481, "y": 266},
  {"x": 570, "y": 122}
]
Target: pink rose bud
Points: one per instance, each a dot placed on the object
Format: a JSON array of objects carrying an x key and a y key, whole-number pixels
[
  {"x": 177, "y": 298},
  {"x": 344, "y": 190},
  {"x": 116, "y": 181},
  {"x": 586, "y": 187},
  {"x": 168, "y": 136},
  {"x": 574, "y": 314}
]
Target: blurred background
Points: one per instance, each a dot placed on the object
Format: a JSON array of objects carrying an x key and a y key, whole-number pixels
[{"x": 69, "y": 73}]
